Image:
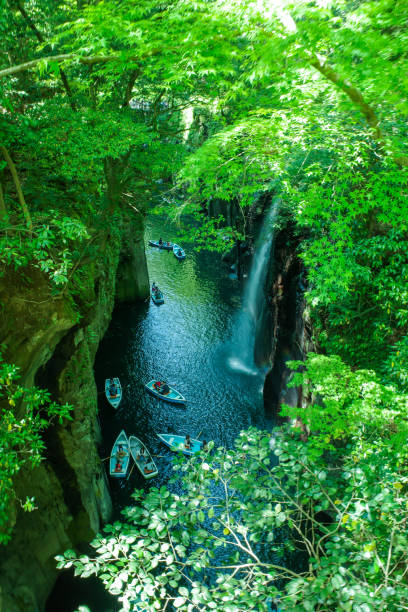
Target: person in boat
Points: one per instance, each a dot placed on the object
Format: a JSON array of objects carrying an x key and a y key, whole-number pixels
[
  {"x": 118, "y": 466},
  {"x": 204, "y": 446},
  {"x": 187, "y": 442},
  {"x": 179, "y": 253},
  {"x": 121, "y": 452},
  {"x": 157, "y": 385},
  {"x": 160, "y": 241},
  {"x": 155, "y": 288},
  {"x": 164, "y": 389},
  {"x": 141, "y": 456},
  {"x": 112, "y": 389},
  {"x": 148, "y": 470}
]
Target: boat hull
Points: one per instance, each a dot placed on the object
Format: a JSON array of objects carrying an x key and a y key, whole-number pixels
[
  {"x": 157, "y": 300},
  {"x": 176, "y": 249},
  {"x": 118, "y": 466},
  {"x": 143, "y": 460},
  {"x": 116, "y": 399},
  {"x": 174, "y": 397},
  {"x": 176, "y": 444},
  {"x": 164, "y": 246}
]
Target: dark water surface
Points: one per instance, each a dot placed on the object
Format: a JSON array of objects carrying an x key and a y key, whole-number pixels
[{"x": 186, "y": 341}]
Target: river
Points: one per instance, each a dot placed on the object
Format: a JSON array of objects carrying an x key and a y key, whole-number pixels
[{"x": 188, "y": 342}]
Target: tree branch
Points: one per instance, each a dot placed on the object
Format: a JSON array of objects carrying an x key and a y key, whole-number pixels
[
  {"x": 17, "y": 183},
  {"x": 94, "y": 59},
  {"x": 3, "y": 209},
  {"x": 41, "y": 39},
  {"x": 128, "y": 91},
  {"x": 357, "y": 98}
]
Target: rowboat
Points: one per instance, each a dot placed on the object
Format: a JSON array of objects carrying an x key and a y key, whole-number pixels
[
  {"x": 171, "y": 395},
  {"x": 142, "y": 458},
  {"x": 114, "y": 398},
  {"x": 178, "y": 252},
  {"x": 177, "y": 443},
  {"x": 157, "y": 296},
  {"x": 167, "y": 246},
  {"x": 119, "y": 459}
]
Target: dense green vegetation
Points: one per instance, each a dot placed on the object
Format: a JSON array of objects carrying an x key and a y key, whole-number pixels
[
  {"x": 24, "y": 414},
  {"x": 228, "y": 100}
]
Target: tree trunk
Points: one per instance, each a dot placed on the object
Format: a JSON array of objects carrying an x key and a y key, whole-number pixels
[
  {"x": 17, "y": 184},
  {"x": 3, "y": 209}
]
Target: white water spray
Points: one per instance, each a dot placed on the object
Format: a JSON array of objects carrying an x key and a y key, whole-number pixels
[{"x": 242, "y": 357}]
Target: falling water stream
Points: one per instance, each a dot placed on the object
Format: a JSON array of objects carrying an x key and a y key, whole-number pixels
[{"x": 245, "y": 329}]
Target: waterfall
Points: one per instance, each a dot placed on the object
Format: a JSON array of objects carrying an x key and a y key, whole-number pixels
[{"x": 243, "y": 341}]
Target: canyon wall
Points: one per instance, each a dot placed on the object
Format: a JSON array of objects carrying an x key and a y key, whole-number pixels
[{"x": 53, "y": 339}]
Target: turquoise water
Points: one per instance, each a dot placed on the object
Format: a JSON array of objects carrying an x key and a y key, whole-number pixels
[{"x": 187, "y": 341}]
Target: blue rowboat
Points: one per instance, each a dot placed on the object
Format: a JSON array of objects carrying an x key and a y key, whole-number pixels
[
  {"x": 157, "y": 296},
  {"x": 177, "y": 443},
  {"x": 114, "y": 396},
  {"x": 142, "y": 458},
  {"x": 166, "y": 246},
  {"x": 171, "y": 395},
  {"x": 178, "y": 252},
  {"x": 119, "y": 459}
]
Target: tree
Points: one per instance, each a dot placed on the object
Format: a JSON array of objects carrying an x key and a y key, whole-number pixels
[{"x": 222, "y": 537}]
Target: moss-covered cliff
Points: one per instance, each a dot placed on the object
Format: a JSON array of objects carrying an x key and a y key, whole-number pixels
[{"x": 53, "y": 339}]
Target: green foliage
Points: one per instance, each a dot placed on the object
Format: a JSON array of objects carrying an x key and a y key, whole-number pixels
[
  {"x": 24, "y": 414},
  {"x": 222, "y": 541}
]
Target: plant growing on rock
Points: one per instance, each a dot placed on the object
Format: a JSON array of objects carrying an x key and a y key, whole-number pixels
[
  {"x": 226, "y": 534},
  {"x": 24, "y": 414}
]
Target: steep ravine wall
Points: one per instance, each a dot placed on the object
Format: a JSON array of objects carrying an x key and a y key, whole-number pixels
[
  {"x": 284, "y": 331},
  {"x": 54, "y": 342}
]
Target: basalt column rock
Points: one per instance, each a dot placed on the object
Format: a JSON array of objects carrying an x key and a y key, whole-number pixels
[
  {"x": 284, "y": 311},
  {"x": 132, "y": 280}
]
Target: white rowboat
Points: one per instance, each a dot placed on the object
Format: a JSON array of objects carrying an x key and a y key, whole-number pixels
[
  {"x": 177, "y": 444},
  {"x": 113, "y": 398},
  {"x": 142, "y": 458},
  {"x": 119, "y": 460},
  {"x": 171, "y": 395}
]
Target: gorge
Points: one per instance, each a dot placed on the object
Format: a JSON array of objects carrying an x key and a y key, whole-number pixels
[{"x": 269, "y": 139}]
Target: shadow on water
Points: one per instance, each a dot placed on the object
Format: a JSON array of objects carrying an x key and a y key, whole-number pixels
[{"x": 186, "y": 341}]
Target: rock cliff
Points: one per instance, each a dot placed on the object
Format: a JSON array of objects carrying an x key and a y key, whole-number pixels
[{"x": 54, "y": 340}]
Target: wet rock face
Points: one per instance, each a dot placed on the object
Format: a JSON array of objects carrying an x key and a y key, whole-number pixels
[
  {"x": 132, "y": 281},
  {"x": 287, "y": 332},
  {"x": 284, "y": 334},
  {"x": 54, "y": 343}
]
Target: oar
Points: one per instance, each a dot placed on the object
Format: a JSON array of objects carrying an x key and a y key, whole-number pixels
[
  {"x": 131, "y": 471},
  {"x": 198, "y": 437},
  {"x": 106, "y": 458}
]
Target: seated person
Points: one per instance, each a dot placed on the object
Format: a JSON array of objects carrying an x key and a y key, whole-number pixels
[
  {"x": 164, "y": 388},
  {"x": 179, "y": 253},
  {"x": 112, "y": 389},
  {"x": 121, "y": 452},
  {"x": 160, "y": 241},
  {"x": 118, "y": 466},
  {"x": 141, "y": 455},
  {"x": 154, "y": 287},
  {"x": 157, "y": 385},
  {"x": 187, "y": 442}
]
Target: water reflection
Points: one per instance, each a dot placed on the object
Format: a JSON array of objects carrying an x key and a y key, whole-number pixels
[{"x": 185, "y": 341}]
